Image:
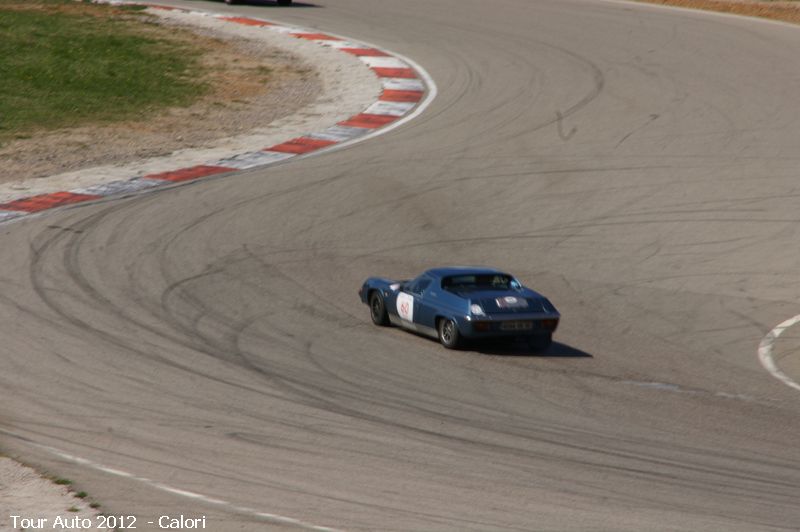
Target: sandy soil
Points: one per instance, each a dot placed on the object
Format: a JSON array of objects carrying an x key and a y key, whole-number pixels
[{"x": 24, "y": 493}]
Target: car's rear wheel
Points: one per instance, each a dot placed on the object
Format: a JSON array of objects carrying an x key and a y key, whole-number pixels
[
  {"x": 448, "y": 333},
  {"x": 377, "y": 309}
]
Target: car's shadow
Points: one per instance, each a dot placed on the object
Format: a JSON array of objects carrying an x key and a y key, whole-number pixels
[{"x": 518, "y": 349}]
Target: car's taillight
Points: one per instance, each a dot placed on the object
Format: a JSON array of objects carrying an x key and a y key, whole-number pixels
[{"x": 549, "y": 324}]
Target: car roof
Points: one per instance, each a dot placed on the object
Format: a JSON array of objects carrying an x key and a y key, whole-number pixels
[{"x": 461, "y": 270}]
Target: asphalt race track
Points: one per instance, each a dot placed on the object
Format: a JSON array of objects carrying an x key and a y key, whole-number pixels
[{"x": 636, "y": 164}]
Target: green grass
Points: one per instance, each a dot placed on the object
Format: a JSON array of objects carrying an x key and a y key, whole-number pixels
[{"x": 62, "y": 67}]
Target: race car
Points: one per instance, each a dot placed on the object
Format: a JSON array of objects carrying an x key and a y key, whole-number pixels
[{"x": 455, "y": 304}]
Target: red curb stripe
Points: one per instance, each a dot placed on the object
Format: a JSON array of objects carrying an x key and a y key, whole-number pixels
[
  {"x": 46, "y": 201},
  {"x": 401, "y": 96},
  {"x": 247, "y": 21},
  {"x": 193, "y": 172},
  {"x": 316, "y": 37},
  {"x": 364, "y": 52},
  {"x": 165, "y": 8},
  {"x": 300, "y": 145},
  {"x": 366, "y": 120},
  {"x": 394, "y": 72}
]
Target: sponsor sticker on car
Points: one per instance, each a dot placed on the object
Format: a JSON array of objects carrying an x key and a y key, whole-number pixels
[{"x": 405, "y": 306}]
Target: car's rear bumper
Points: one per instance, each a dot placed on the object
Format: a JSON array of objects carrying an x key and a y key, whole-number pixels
[{"x": 508, "y": 327}]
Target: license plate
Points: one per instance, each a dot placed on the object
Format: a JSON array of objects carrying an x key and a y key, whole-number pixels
[{"x": 516, "y": 326}]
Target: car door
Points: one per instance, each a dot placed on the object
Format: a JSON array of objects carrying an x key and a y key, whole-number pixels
[
  {"x": 408, "y": 301},
  {"x": 427, "y": 305},
  {"x": 404, "y": 304}
]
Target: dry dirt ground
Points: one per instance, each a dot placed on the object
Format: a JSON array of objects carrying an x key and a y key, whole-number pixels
[
  {"x": 25, "y": 494},
  {"x": 787, "y": 11},
  {"x": 251, "y": 83}
]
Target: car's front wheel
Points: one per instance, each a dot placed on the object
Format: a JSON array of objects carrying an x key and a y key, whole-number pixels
[
  {"x": 448, "y": 333},
  {"x": 284, "y": 2},
  {"x": 230, "y": 2},
  {"x": 377, "y": 309}
]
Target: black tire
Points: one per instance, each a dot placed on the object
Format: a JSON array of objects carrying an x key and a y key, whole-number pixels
[
  {"x": 449, "y": 336},
  {"x": 377, "y": 309},
  {"x": 230, "y": 2},
  {"x": 284, "y": 2},
  {"x": 540, "y": 343}
]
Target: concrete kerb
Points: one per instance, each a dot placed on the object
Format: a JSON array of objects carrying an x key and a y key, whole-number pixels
[{"x": 406, "y": 90}]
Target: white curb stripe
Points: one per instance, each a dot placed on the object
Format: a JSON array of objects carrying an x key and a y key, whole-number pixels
[
  {"x": 390, "y": 108},
  {"x": 403, "y": 84},
  {"x": 10, "y": 215},
  {"x": 383, "y": 62},
  {"x": 342, "y": 44},
  {"x": 339, "y": 133},
  {"x": 244, "y": 161},
  {"x": 117, "y": 187},
  {"x": 281, "y": 29},
  {"x": 765, "y": 352}
]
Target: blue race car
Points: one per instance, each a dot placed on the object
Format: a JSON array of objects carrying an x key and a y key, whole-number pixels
[{"x": 456, "y": 303}]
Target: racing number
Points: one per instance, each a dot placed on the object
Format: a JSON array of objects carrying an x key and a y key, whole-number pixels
[{"x": 405, "y": 306}]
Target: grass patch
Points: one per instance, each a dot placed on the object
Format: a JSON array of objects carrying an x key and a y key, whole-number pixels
[
  {"x": 66, "y": 64},
  {"x": 62, "y": 482}
]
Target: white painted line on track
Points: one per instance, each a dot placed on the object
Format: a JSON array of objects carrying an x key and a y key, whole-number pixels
[
  {"x": 765, "y": 352},
  {"x": 274, "y": 518}
]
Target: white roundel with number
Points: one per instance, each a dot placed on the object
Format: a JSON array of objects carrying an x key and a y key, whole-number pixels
[{"x": 405, "y": 306}]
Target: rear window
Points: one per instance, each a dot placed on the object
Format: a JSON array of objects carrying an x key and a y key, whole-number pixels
[{"x": 488, "y": 281}]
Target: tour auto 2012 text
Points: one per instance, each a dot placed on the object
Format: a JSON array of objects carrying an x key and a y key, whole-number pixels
[{"x": 107, "y": 522}]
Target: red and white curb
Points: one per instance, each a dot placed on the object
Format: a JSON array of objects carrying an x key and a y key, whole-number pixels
[{"x": 407, "y": 89}]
